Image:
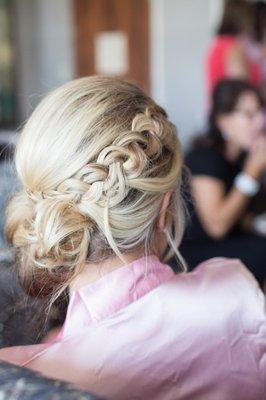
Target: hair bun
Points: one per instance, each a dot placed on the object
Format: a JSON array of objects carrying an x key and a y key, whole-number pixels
[{"x": 94, "y": 159}]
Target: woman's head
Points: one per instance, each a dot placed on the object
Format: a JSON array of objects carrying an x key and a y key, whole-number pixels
[
  {"x": 237, "y": 19},
  {"x": 236, "y": 114},
  {"x": 95, "y": 161}
]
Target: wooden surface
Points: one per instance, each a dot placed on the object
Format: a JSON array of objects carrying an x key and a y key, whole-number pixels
[{"x": 129, "y": 16}]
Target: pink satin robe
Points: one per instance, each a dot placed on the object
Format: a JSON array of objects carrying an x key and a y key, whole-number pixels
[{"x": 142, "y": 332}]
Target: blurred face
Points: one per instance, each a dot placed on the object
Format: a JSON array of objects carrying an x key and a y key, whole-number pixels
[{"x": 245, "y": 123}]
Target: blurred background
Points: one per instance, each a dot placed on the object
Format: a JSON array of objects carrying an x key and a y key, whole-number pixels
[{"x": 160, "y": 44}]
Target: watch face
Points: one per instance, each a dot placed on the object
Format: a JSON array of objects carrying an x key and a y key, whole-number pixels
[{"x": 259, "y": 224}]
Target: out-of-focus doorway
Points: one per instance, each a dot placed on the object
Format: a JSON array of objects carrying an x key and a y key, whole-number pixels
[{"x": 112, "y": 38}]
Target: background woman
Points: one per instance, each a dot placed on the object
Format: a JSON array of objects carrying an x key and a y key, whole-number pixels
[
  {"x": 99, "y": 213},
  {"x": 227, "y": 166}
]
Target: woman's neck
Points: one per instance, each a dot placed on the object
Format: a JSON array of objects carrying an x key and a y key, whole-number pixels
[
  {"x": 93, "y": 271},
  {"x": 232, "y": 151}
]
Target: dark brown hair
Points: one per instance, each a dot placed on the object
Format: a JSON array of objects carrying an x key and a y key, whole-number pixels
[
  {"x": 260, "y": 21},
  {"x": 238, "y": 18}
]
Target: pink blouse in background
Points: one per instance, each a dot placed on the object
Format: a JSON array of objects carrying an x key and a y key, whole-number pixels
[
  {"x": 142, "y": 332},
  {"x": 217, "y": 62}
]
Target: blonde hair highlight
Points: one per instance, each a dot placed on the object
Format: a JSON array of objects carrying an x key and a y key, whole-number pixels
[{"x": 95, "y": 160}]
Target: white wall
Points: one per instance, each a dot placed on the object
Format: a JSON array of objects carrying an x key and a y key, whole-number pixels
[
  {"x": 181, "y": 33},
  {"x": 44, "y": 32},
  {"x": 26, "y": 54}
]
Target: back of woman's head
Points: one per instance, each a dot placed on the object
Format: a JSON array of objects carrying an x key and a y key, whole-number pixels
[
  {"x": 237, "y": 19},
  {"x": 95, "y": 160}
]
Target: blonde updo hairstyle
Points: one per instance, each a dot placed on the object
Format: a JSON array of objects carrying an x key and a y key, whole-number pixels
[{"x": 94, "y": 160}]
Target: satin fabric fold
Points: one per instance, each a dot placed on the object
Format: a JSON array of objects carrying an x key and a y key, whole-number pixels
[{"x": 142, "y": 332}]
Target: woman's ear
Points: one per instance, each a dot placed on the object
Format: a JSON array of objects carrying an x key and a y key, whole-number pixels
[{"x": 164, "y": 206}]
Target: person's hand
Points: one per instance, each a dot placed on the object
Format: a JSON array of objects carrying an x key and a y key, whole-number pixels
[{"x": 256, "y": 160}]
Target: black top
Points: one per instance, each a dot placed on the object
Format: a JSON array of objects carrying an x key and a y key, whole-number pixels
[{"x": 208, "y": 162}]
